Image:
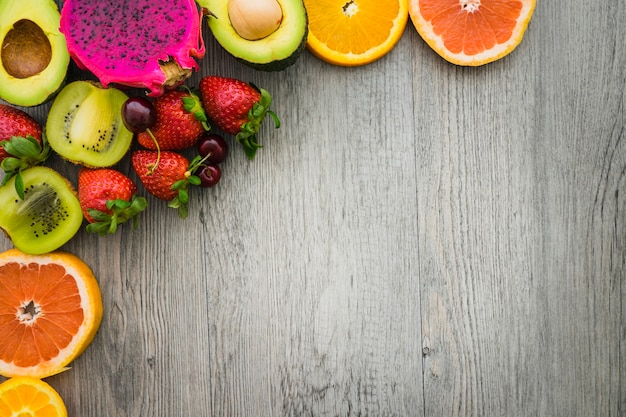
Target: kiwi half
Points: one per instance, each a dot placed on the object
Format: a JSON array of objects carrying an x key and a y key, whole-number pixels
[
  {"x": 47, "y": 217},
  {"x": 85, "y": 125}
]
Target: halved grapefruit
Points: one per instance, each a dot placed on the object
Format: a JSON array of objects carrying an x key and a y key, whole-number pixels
[
  {"x": 471, "y": 32},
  {"x": 50, "y": 310}
]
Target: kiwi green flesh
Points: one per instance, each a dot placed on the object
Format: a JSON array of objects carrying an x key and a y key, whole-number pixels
[
  {"x": 85, "y": 125},
  {"x": 275, "y": 52},
  {"x": 47, "y": 217},
  {"x": 33, "y": 54}
]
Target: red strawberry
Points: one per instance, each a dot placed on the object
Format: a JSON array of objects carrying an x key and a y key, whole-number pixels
[
  {"x": 237, "y": 108},
  {"x": 108, "y": 198},
  {"x": 15, "y": 122},
  {"x": 22, "y": 143},
  {"x": 180, "y": 120},
  {"x": 167, "y": 175}
]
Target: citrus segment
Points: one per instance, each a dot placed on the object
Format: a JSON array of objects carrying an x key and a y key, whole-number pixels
[
  {"x": 354, "y": 32},
  {"x": 50, "y": 310},
  {"x": 471, "y": 32},
  {"x": 27, "y": 396}
]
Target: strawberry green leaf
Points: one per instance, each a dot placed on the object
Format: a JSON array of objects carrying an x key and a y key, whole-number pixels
[
  {"x": 11, "y": 164},
  {"x": 25, "y": 152},
  {"x": 275, "y": 118},
  {"x": 247, "y": 136},
  {"x": 122, "y": 211},
  {"x": 193, "y": 105},
  {"x": 19, "y": 146},
  {"x": 19, "y": 185},
  {"x": 194, "y": 180}
]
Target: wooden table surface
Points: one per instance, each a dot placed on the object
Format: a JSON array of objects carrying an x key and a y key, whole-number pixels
[{"x": 417, "y": 238}]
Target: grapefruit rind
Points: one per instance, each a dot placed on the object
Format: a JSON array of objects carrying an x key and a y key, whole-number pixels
[
  {"x": 427, "y": 32},
  {"x": 91, "y": 304}
]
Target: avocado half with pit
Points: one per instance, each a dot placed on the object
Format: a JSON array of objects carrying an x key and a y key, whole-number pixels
[
  {"x": 33, "y": 53},
  {"x": 267, "y": 35}
]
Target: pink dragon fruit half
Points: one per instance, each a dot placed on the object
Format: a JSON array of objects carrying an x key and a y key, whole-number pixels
[{"x": 149, "y": 44}]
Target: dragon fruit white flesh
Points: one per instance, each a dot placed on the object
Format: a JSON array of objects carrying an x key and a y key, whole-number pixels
[{"x": 150, "y": 44}]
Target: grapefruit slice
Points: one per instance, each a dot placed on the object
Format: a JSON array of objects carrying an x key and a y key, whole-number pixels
[
  {"x": 26, "y": 396},
  {"x": 50, "y": 310},
  {"x": 354, "y": 32},
  {"x": 471, "y": 32}
]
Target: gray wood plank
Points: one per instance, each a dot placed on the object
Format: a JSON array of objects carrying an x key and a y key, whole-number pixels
[{"x": 524, "y": 223}]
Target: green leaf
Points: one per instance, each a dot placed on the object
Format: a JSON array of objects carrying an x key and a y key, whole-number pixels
[
  {"x": 19, "y": 185},
  {"x": 183, "y": 196},
  {"x": 193, "y": 105},
  {"x": 123, "y": 211},
  {"x": 99, "y": 228},
  {"x": 194, "y": 180},
  {"x": 178, "y": 184},
  {"x": 6, "y": 178},
  {"x": 23, "y": 147},
  {"x": 275, "y": 118},
  {"x": 10, "y": 164}
]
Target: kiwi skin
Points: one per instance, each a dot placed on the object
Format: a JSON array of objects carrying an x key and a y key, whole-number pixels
[
  {"x": 85, "y": 126},
  {"x": 47, "y": 217}
]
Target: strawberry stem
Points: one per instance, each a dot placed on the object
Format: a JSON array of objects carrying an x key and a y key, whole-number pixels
[
  {"x": 193, "y": 105},
  {"x": 25, "y": 152},
  {"x": 247, "y": 136},
  {"x": 121, "y": 212},
  {"x": 181, "y": 200}
]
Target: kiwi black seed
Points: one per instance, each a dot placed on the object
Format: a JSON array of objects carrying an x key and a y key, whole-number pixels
[
  {"x": 47, "y": 217},
  {"x": 85, "y": 124}
]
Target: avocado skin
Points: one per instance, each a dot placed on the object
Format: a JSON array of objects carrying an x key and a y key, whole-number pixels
[
  {"x": 218, "y": 14},
  {"x": 280, "y": 64},
  {"x": 42, "y": 87}
]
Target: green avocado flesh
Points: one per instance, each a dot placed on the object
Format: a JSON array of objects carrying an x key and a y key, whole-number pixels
[
  {"x": 85, "y": 124},
  {"x": 47, "y": 217},
  {"x": 275, "y": 52},
  {"x": 33, "y": 53}
]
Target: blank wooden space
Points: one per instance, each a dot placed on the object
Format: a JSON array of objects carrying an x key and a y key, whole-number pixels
[{"x": 416, "y": 239}]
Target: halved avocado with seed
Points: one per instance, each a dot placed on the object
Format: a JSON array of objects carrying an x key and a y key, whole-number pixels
[
  {"x": 33, "y": 53},
  {"x": 268, "y": 35}
]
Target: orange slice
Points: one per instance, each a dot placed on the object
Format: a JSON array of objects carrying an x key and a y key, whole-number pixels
[
  {"x": 50, "y": 310},
  {"x": 354, "y": 32},
  {"x": 471, "y": 32},
  {"x": 26, "y": 397}
]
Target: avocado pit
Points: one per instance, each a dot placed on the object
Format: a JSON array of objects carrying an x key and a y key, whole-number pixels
[
  {"x": 25, "y": 50},
  {"x": 255, "y": 19}
]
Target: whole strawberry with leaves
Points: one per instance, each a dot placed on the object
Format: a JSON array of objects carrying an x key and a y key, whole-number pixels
[
  {"x": 167, "y": 175},
  {"x": 180, "y": 120},
  {"x": 238, "y": 108},
  {"x": 22, "y": 144},
  {"x": 108, "y": 198}
]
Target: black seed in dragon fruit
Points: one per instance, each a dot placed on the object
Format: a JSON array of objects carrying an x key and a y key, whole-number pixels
[{"x": 151, "y": 44}]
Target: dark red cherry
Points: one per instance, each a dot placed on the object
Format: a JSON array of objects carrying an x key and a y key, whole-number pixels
[
  {"x": 209, "y": 175},
  {"x": 138, "y": 114},
  {"x": 213, "y": 145}
]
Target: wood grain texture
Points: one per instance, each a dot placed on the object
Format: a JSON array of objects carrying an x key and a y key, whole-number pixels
[{"x": 416, "y": 239}]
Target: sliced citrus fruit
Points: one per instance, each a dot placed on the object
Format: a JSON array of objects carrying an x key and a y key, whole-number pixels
[
  {"x": 30, "y": 397},
  {"x": 354, "y": 32},
  {"x": 471, "y": 32},
  {"x": 50, "y": 310}
]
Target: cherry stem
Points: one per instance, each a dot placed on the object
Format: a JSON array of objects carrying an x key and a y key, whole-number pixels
[{"x": 153, "y": 167}]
